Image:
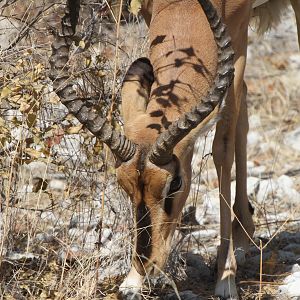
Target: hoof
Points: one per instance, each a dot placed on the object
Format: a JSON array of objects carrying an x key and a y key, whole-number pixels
[
  {"x": 129, "y": 295},
  {"x": 131, "y": 287},
  {"x": 226, "y": 289}
]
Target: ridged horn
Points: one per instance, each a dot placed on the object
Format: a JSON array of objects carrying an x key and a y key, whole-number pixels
[
  {"x": 162, "y": 151},
  {"x": 82, "y": 108}
]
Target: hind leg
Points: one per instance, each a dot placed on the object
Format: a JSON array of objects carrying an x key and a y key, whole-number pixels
[
  {"x": 241, "y": 206},
  {"x": 223, "y": 155}
]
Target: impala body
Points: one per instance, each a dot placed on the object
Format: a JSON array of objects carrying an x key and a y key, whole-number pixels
[{"x": 168, "y": 100}]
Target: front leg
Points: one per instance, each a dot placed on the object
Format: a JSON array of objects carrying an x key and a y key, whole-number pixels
[
  {"x": 223, "y": 154},
  {"x": 242, "y": 208}
]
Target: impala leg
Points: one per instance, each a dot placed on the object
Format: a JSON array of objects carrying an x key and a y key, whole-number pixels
[
  {"x": 223, "y": 154},
  {"x": 242, "y": 206}
]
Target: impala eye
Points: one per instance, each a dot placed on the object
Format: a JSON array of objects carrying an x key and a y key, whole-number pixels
[{"x": 175, "y": 185}]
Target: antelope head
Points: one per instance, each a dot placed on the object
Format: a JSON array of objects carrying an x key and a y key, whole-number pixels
[{"x": 154, "y": 168}]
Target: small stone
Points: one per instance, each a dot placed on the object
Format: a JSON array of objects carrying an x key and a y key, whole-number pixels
[
  {"x": 254, "y": 121},
  {"x": 210, "y": 211},
  {"x": 257, "y": 171},
  {"x": 70, "y": 254},
  {"x": 266, "y": 187},
  {"x": 21, "y": 256},
  {"x": 203, "y": 234},
  {"x": 254, "y": 138},
  {"x": 292, "y": 139},
  {"x": 58, "y": 185},
  {"x": 75, "y": 233},
  {"x": 286, "y": 189},
  {"x": 290, "y": 288},
  {"x": 90, "y": 239},
  {"x": 44, "y": 237},
  {"x": 51, "y": 217},
  {"x": 84, "y": 220}
]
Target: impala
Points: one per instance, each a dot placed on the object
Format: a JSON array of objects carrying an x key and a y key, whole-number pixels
[{"x": 168, "y": 100}]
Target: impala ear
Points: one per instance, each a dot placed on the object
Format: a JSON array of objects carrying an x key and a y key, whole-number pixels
[{"x": 136, "y": 89}]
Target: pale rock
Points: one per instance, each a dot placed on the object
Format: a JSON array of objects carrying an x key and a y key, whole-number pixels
[
  {"x": 268, "y": 146},
  {"x": 291, "y": 285},
  {"x": 106, "y": 235},
  {"x": 266, "y": 188},
  {"x": 45, "y": 237},
  {"x": 37, "y": 169},
  {"x": 70, "y": 148},
  {"x": 75, "y": 233},
  {"x": 256, "y": 171},
  {"x": 252, "y": 186},
  {"x": 292, "y": 139},
  {"x": 84, "y": 220},
  {"x": 9, "y": 30},
  {"x": 20, "y": 133},
  {"x": 90, "y": 239},
  {"x": 202, "y": 148},
  {"x": 294, "y": 60},
  {"x": 24, "y": 189},
  {"x": 21, "y": 256},
  {"x": 254, "y": 138},
  {"x": 209, "y": 211},
  {"x": 51, "y": 217},
  {"x": 208, "y": 176},
  {"x": 114, "y": 269},
  {"x": 286, "y": 189},
  {"x": 57, "y": 184},
  {"x": 254, "y": 121},
  {"x": 205, "y": 234},
  {"x": 69, "y": 253}
]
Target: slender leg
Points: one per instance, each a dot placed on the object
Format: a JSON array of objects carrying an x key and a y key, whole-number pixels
[
  {"x": 223, "y": 154},
  {"x": 242, "y": 206}
]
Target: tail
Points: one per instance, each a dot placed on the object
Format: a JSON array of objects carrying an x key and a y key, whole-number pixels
[{"x": 268, "y": 14}]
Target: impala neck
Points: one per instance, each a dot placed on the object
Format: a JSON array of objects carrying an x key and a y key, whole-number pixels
[{"x": 183, "y": 68}]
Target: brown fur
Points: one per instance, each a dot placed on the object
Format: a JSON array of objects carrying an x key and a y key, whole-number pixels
[{"x": 183, "y": 54}]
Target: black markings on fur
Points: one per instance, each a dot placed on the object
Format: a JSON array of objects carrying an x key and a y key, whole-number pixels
[
  {"x": 251, "y": 208},
  {"x": 143, "y": 217},
  {"x": 144, "y": 232},
  {"x": 141, "y": 160},
  {"x": 168, "y": 203}
]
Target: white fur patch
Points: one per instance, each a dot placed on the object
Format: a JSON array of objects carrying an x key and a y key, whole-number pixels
[
  {"x": 132, "y": 285},
  {"x": 226, "y": 288}
]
